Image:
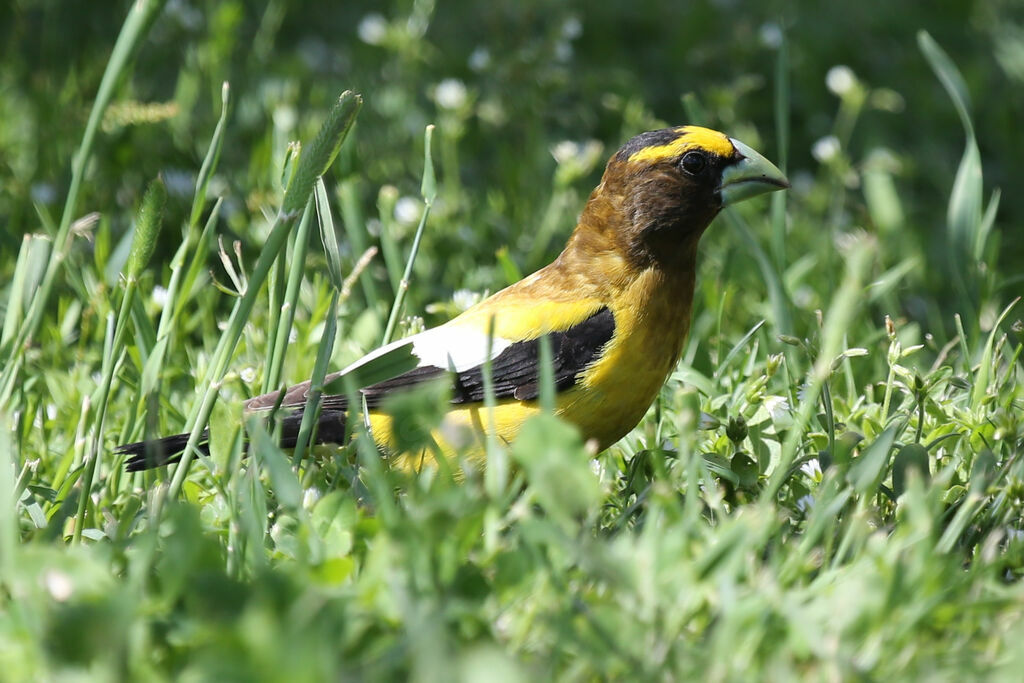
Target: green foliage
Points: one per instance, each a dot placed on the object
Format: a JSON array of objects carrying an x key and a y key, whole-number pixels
[{"x": 829, "y": 486}]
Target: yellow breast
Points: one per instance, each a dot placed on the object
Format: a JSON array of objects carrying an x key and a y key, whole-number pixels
[{"x": 652, "y": 320}]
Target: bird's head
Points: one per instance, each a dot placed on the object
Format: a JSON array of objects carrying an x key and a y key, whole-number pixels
[{"x": 663, "y": 188}]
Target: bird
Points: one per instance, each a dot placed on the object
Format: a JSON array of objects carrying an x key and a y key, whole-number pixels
[{"x": 614, "y": 306}]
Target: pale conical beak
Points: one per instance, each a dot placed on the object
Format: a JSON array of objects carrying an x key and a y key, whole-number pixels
[{"x": 750, "y": 176}]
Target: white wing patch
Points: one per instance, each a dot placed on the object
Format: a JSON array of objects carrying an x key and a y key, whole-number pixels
[
  {"x": 456, "y": 348},
  {"x": 447, "y": 347}
]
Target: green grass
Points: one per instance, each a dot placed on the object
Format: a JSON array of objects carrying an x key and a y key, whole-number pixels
[{"x": 829, "y": 486}]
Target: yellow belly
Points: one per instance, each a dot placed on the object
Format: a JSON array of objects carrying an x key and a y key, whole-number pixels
[
  {"x": 605, "y": 416},
  {"x": 462, "y": 432}
]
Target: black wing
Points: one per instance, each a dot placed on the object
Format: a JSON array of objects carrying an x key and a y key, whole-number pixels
[{"x": 515, "y": 370}]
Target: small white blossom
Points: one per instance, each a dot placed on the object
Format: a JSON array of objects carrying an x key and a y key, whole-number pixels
[
  {"x": 450, "y": 93},
  {"x": 572, "y": 28},
  {"x": 285, "y": 117},
  {"x": 372, "y": 29},
  {"x": 581, "y": 154},
  {"x": 565, "y": 151},
  {"x": 160, "y": 296},
  {"x": 771, "y": 35},
  {"x": 840, "y": 80},
  {"x": 491, "y": 111},
  {"x": 58, "y": 584},
  {"x": 504, "y": 624},
  {"x": 480, "y": 59},
  {"x": 777, "y": 406},
  {"x": 812, "y": 468},
  {"x": 248, "y": 374},
  {"x": 826, "y": 149},
  {"x": 407, "y": 210},
  {"x": 464, "y": 298}
]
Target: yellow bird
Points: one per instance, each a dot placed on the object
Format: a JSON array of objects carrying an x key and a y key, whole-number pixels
[{"x": 615, "y": 306}]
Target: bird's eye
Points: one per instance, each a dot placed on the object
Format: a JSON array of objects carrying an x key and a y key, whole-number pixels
[{"x": 694, "y": 162}]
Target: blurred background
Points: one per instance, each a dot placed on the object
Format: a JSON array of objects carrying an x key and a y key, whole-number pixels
[{"x": 530, "y": 98}]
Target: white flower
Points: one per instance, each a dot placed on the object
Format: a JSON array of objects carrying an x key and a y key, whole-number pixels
[
  {"x": 572, "y": 28},
  {"x": 372, "y": 29},
  {"x": 407, "y": 210},
  {"x": 160, "y": 296},
  {"x": 564, "y": 151},
  {"x": 840, "y": 80},
  {"x": 812, "y": 468},
  {"x": 450, "y": 93},
  {"x": 826, "y": 149},
  {"x": 58, "y": 584},
  {"x": 581, "y": 153},
  {"x": 248, "y": 374},
  {"x": 464, "y": 298},
  {"x": 285, "y": 117},
  {"x": 480, "y": 59},
  {"x": 771, "y": 35},
  {"x": 777, "y": 406}
]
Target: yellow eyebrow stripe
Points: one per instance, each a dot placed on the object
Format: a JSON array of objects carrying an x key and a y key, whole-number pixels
[{"x": 690, "y": 137}]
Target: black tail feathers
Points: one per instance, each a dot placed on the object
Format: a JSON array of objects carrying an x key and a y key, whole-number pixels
[{"x": 147, "y": 455}]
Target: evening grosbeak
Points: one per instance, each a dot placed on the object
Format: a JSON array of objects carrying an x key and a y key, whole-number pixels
[{"x": 615, "y": 307}]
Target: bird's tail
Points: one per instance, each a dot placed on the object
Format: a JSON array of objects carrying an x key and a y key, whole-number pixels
[{"x": 147, "y": 455}]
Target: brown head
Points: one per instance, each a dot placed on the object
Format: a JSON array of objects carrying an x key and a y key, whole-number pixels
[{"x": 662, "y": 189}]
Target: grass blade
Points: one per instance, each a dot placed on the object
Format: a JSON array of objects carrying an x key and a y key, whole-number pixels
[{"x": 429, "y": 188}]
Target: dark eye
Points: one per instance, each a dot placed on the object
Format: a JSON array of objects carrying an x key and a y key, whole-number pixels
[{"x": 694, "y": 162}]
